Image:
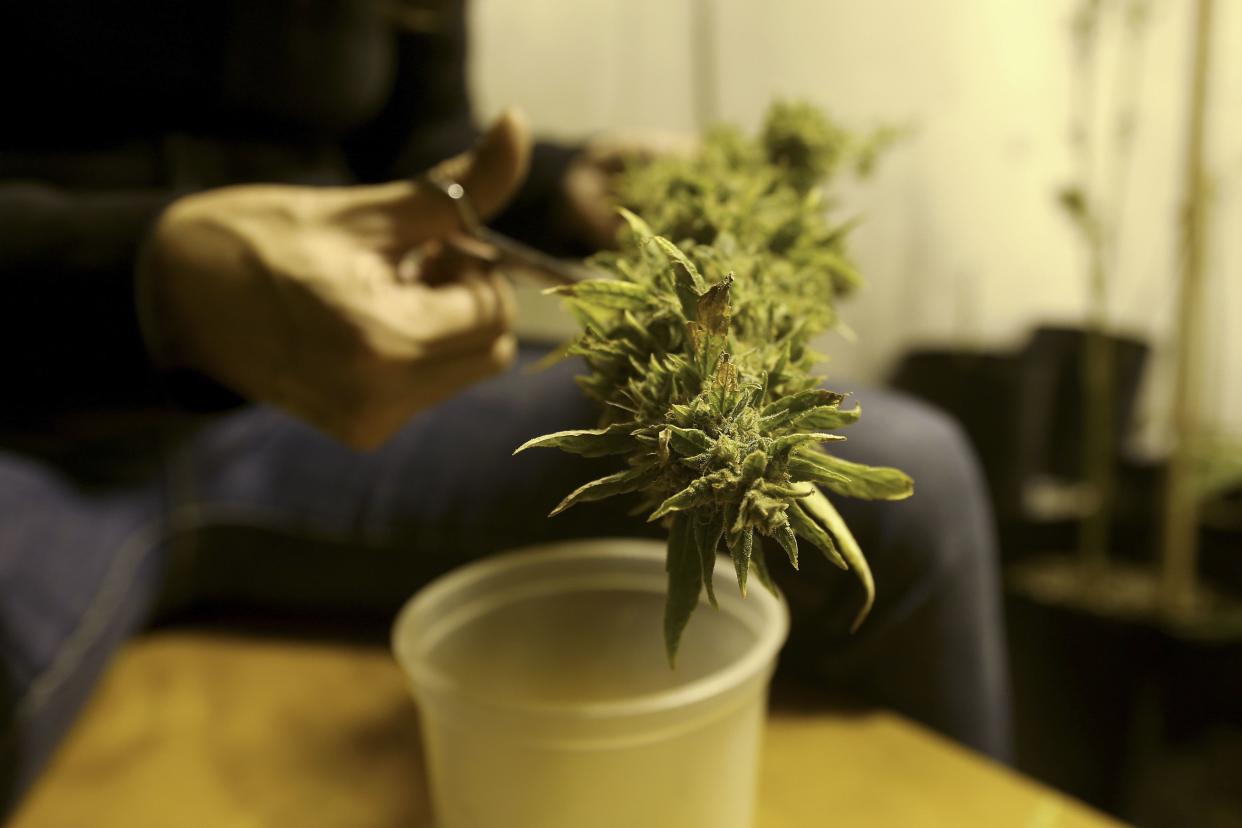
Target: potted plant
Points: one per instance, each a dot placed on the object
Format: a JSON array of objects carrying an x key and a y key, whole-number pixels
[
  {"x": 1122, "y": 642},
  {"x": 696, "y": 348}
]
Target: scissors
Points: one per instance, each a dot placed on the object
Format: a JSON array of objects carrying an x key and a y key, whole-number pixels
[{"x": 508, "y": 250}]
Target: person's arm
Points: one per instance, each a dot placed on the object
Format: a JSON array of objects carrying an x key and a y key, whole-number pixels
[
  {"x": 68, "y": 325},
  {"x": 283, "y": 294}
]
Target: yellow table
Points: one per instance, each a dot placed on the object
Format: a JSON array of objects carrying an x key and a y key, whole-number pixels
[{"x": 191, "y": 729}]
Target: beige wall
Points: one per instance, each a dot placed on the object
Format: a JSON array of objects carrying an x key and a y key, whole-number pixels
[{"x": 963, "y": 241}]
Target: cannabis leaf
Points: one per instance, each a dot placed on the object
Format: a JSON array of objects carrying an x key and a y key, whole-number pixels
[{"x": 685, "y": 582}]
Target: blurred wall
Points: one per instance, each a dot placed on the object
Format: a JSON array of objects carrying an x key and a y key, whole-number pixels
[{"x": 963, "y": 241}]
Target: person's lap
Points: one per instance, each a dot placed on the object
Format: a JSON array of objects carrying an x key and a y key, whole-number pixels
[
  {"x": 283, "y": 513},
  {"x": 77, "y": 567},
  {"x": 258, "y": 509}
]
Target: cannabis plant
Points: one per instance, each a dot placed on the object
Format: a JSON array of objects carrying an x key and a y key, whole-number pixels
[
  {"x": 1095, "y": 214},
  {"x": 697, "y": 350}
]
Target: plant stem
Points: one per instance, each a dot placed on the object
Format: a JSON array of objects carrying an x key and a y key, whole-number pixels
[
  {"x": 1095, "y": 369},
  {"x": 1180, "y": 549},
  {"x": 1098, "y": 387}
]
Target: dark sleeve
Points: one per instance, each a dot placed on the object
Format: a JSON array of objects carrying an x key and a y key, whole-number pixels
[
  {"x": 69, "y": 330},
  {"x": 428, "y": 117}
]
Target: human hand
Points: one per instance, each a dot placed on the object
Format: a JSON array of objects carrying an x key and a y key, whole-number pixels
[
  {"x": 588, "y": 207},
  {"x": 292, "y": 295}
]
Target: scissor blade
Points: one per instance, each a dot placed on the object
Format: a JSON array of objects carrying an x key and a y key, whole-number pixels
[{"x": 560, "y": 271}]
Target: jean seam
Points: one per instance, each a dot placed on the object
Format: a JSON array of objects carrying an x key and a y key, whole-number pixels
[
  {"x": 71, "y": 651},
  {"x": 134, "y": 551}
]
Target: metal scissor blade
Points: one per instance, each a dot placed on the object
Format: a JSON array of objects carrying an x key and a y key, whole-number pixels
[{"x": 511, "y": 251}]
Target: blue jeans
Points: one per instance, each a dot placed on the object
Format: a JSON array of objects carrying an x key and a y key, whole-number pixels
[{"x": 255, "y": 508}]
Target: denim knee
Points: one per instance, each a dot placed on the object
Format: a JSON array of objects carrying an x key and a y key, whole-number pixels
[{"x": 946, "y": 526}]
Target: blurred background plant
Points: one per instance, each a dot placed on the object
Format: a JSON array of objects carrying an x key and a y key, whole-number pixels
[{"x": 1094, "y": 205}]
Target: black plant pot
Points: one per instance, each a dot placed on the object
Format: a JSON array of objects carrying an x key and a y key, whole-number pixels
[
  {"x": 1079, "y": 683},
  {"x": 1191, "y": 777},
  {"x": 979, "y": 389},
  {"x": 1221, "y": 550},
  {"x": 1050, "y": 427},
  {"x": 1023, "y": 412},
  {"x": 1202, "y": 682},
  {"x": 1101, "y": 698},
  {"x": 1109, "y": 695}
]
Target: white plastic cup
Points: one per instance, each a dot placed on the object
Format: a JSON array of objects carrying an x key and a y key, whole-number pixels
[{"x": 547, "y": 700}]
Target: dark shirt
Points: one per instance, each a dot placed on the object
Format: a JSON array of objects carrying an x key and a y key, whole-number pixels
[{"x": 112, "y": 109}]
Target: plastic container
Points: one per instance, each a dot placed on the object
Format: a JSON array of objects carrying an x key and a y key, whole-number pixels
[{"x": 547, "y": 700}]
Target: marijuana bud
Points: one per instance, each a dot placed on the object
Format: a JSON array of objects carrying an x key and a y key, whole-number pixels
[
  {"x": 802, "y": 143},
  {"x": 697, "y": 351}
]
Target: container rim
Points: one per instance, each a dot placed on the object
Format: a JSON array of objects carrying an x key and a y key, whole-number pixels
[{"x": 769, "y": 635}]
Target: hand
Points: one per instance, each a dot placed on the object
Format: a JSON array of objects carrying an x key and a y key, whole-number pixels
[
  {"x": 291, "y": 295},
  {"x": 588, "y": 207}
]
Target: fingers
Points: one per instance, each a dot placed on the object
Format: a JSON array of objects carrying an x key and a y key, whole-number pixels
[
  {"x": 369, "y": 427},
  {"x": 450, "y": 376},
  {"x": 495, "y": 168},
  {"x": 589, "y": 212},
  {"x": 611, "y": 151},
  {"x": 400, "y": 214},
  {"x": 453, "y": 306},
  {"x": 474, "y": 307},
  {"x": 440, "y": 262}
]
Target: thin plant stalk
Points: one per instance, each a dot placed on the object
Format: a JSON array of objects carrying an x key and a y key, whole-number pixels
[
  {"x": 1101, "y": 225},
  {"x": 1098, "y": 386},
  {"x": 1095, "y": 374},
  {"x": 1179, "y": 565}
]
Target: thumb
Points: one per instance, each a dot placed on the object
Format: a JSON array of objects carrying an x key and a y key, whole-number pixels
[{"x": 400, "y": 214}]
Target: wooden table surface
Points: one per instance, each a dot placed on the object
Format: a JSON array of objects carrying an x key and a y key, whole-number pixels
[{"x": 191, "y": 729}]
